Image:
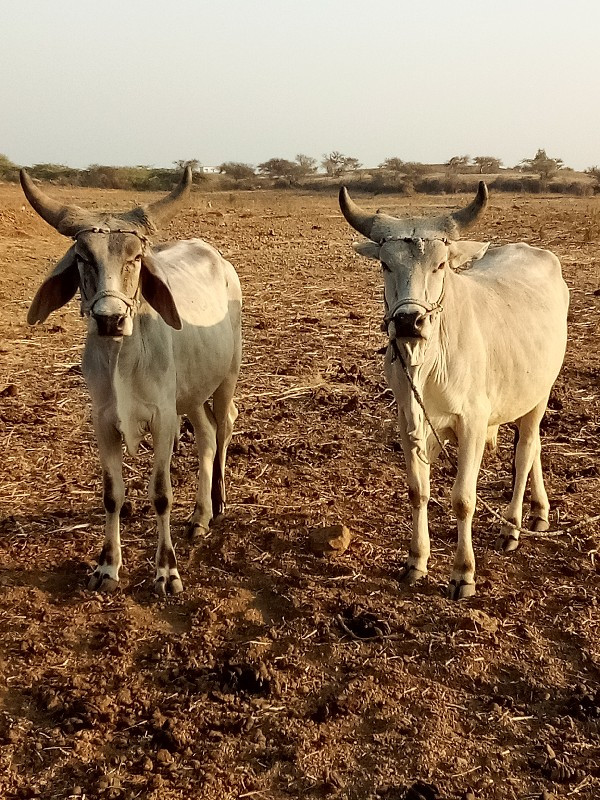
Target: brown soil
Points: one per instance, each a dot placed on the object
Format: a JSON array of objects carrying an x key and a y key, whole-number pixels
[{"x": 258, "y": 681}]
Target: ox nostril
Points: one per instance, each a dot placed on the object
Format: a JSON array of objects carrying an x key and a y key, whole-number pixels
[
  {"x": 409, "y": 325},
  {"x": 110, "y": 324}
]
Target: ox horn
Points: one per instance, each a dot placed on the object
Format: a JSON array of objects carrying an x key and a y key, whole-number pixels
[
  {"x": 468, "y": 216},
  {"x": 360, "y": 220},
  {"x": 67, "y": 220},
  {"x": 163, "y": 210}
]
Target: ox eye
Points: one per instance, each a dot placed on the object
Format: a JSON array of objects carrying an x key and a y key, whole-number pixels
[
  {"x": 442, "y": 265},
  {"x": 385, "y": 267}
]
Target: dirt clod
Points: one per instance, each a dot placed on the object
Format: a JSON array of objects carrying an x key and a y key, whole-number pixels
[
  {"x": 330, "y": 541},
  {"x": 362, "y": 624}
]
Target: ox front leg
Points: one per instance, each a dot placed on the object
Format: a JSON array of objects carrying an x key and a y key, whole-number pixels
[
  {"x": 471, "y": 443},
  {"x": 417, "y": 472},
  {"x": 167, "y": 579},
  {"x": 105, "y": 577}
]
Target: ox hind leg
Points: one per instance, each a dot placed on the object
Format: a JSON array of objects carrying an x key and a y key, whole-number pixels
[
  {"x": 105, "y": 577},
  {"x": 205, "y": 432},
  {"x": 164, "y": 431},
  {"x": 526, "y": 460},
  {"x": 225, "y": 413}
]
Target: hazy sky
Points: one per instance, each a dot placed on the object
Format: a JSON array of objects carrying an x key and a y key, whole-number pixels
[{"x": 146, "y": 82}]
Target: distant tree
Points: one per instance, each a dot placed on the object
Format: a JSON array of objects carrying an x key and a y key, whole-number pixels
[
  {"x": 457, "y": 163},
  {"x": 393, "y": 165},
  {"x": 545, "y": 166},
  {"x": 335, "y": 163},
  {"x": 351, "y": 164},
  {"x": 306, "y": 164},
  {"x": 279, "y": 168},
  {"x": 414, "y": 168},
  {"x": 192, "y": 163},
  {"x": 8, "y": 170},
  {"x": 236, "y": 170},
  {"x": 487, "y": 164},
  {"x": 594, "y": 172}
]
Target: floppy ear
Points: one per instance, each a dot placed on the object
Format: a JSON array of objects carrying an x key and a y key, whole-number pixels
[
  {"x": 58, "y": 288},
  {"x": 461, "y": 252},
  {"x": 367, "y": 249},
  {"x": 156, "y": 291}
]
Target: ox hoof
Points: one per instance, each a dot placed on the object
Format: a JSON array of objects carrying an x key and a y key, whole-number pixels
[
  {"x": 409, "y": 575},
  {"x": 102, "y": 583},
  {"x": 507, "y": 542},
  {"x": 174, "y": 585},
  {"x": 171, "y": 585},
  {"x": 540, "y": 525},
  {"x": 457, "y": 590},
  {"x": 196, "y": 531}
]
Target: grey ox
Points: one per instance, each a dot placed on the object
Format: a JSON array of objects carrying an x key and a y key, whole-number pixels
[
  {"x": 482, "y": 346},
  {"x": 164, "y": 337}
]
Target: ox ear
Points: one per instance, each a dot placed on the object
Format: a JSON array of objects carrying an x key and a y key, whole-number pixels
[
  {"x": 56, "y": 291},
  {"x": 156, "y": 291},
  {"x": 461, "y": 252},
  {"x": 367, "y": 249}
]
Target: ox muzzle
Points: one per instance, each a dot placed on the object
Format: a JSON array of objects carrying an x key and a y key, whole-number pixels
[{"x": 112, "y": 313}]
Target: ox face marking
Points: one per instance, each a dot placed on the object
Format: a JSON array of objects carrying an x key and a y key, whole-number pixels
[
  {"x": 109, "y": 265},
  {"x": 413, "y": 276},
  {"x": 489, "y": 357}
]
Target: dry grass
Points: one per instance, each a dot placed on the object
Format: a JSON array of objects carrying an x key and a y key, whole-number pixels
[{"x": 125, "y": 697}]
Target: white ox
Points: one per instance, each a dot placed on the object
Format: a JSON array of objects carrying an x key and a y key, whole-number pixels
[
  {"x": 482, "y": 346},
  {"x": 164, "y": 337}
]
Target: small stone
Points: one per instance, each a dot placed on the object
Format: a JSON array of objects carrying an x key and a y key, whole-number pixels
[
  {"x": 147, "y": 766},
  {"x": 476, "y": 620},
  {"x": 164, "y": 757},
  {"x": 551, "y": 753},
  {"x": 330, "y": 541}
]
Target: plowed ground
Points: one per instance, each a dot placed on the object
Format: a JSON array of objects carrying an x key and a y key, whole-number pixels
[{"x": 246, "y": 685}]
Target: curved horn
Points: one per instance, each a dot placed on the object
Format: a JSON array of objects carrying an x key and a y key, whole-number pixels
[
  {"x": 360, "y": 220},
  {"x": 468, "y": 216},
  {"x": 161, "y": 211},
  {"x": 67, "y": 220}
]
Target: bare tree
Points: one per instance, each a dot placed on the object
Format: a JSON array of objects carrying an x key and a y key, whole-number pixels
[
  {"x": 541, "y": 163},
  {"x": 487, "y": 164},
  {"x": 192, "y": 163},
  {"x": 237, "y": 170},
  {"x": 393, "y": 165},
  {"x": 594, "y": 172},
  {"x": 306, "y": 164},
  {"x": 335, "y": 163},
  {"x": 279, "y": 168},
  {"x": 457, "y": 163}
]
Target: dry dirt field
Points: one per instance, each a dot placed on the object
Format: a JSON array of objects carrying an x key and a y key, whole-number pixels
[{"x": 247, "y": 685}]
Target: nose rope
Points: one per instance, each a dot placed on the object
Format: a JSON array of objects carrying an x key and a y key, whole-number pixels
[
  {"x": 430, "y": 308},
  {"x": 88, "y": 305}
]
